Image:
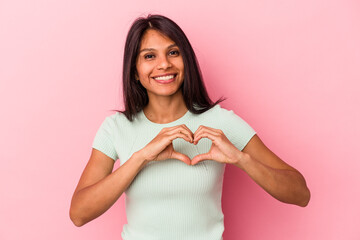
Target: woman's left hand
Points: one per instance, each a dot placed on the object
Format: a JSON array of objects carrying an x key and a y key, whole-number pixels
[{"x": 221, "y": 150}]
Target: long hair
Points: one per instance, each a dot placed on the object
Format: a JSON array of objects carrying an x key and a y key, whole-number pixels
[{"x": 193, "y": 89}]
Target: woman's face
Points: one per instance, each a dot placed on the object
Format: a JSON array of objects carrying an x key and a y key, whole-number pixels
[{"x": 159, "y": 64}]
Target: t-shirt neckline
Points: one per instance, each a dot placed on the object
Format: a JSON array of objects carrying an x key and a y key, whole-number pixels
[{"x": 181, "y": 119}]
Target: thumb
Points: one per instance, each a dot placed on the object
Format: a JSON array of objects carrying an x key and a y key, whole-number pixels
[
  {"x": 181, "y": 157},
  {"x": 199, "y": 158}
]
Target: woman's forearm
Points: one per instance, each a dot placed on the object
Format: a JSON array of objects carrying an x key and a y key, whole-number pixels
[
  {"x": 286, "y": 185},
  {"x": 92, "y": 201}
]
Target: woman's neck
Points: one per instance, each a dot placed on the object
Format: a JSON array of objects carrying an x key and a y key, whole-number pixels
[{"x": 165, "y": 109}]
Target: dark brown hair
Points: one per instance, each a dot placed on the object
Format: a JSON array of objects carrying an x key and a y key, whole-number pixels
[{"x": 193, "y": 88}]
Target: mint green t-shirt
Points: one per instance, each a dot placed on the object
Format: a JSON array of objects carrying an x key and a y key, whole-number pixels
[{"x": 170, "y": 199}]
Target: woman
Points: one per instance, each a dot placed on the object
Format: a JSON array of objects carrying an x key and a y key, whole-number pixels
[{"x": 173, "y": 144}]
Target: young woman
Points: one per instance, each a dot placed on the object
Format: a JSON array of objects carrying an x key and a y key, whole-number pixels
[{"x": 173, "y": 144}]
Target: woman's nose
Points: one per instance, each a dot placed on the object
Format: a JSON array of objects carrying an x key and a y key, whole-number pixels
[{"x": 164, "y": 63}]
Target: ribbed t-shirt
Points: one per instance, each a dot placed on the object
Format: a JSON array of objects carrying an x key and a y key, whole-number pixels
[{"x": 170, "y": 199}]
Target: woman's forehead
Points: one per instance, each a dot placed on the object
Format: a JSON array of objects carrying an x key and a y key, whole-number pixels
[{"x": 155, "y": 39}]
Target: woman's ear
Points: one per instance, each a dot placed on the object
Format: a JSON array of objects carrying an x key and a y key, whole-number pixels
[{"x": 136, "y": 75}]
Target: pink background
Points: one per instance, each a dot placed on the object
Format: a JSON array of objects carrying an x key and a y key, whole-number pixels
[{"x": 289, "y": 68}]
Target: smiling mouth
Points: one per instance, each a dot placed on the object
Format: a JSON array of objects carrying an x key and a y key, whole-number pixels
[{"x": 165, "y": 79}]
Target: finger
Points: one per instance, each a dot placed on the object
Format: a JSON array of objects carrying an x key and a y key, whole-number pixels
[
  {"x": 209, "y": 129},
  {"x": 191, "y": 133},
  {"x": 207, "y": 134},
  {"x": 200, "y": 158},
  {"x": 174, "y": 128},
  {"x": 202, "y": 127},
  {"x": 213, "y": 129},
  {"x": 188, "y": 131},
  {"x": 182, "y": 130},
  {"x": 181, "y": 157},
  {"x": 197, "y": 130},
  {"x": 178, "y": 126},
  {"x": 182, "y": 135}
]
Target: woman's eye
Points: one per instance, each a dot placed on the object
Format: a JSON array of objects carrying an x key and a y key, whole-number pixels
[
  {"x": 174, "y": 52},
  {"x": 148, "y": 56}
]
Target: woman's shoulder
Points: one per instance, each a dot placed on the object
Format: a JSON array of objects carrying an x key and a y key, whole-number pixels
[
  {"x": 225, "y": 114},
  {"x": 225, "y": 111},
  {"x": 118, "y": 119},
  {"x": 215, "y": 113},
  {"x": 218, "y": 109},
  {"x": 117, "y": 116}
]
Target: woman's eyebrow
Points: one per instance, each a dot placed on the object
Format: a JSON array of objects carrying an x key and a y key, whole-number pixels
[{"x": 153, "y": 49}]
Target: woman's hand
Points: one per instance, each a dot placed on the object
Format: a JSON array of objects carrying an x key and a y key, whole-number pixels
[
  {"x": 222, "y": 150},
  {"x": 161, "y": 147}
]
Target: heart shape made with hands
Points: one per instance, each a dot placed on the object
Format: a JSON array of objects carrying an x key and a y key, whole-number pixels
[{"x": 221, "y": 149}]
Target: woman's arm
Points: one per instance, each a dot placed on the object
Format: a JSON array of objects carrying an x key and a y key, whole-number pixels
[
  {"x": 99, "y": 187},
  {"x": 276, "y": 177}
]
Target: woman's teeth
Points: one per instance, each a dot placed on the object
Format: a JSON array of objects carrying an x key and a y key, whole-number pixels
[{"x": 165, "y": 77}]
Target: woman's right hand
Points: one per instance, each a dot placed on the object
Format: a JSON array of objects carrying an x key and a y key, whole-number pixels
[{"x": 161, "y": 147}]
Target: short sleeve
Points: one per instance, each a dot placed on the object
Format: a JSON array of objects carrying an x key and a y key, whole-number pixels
[
  {"x": 104, "y": 138},
  {"x": 236, "y": 129}
]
